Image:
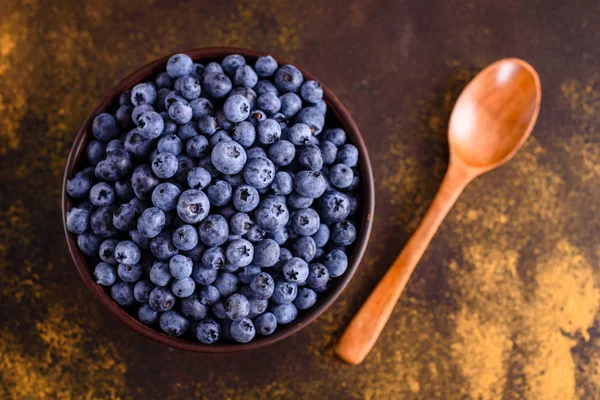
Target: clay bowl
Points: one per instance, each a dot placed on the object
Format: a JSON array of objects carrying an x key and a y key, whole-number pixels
[{"x": 337, "y": 115}]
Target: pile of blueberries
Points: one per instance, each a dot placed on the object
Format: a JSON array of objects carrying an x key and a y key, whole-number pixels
[{"x": 214, "y": 203}]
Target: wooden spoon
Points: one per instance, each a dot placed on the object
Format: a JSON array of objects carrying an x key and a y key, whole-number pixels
[{"x": 491, "y": 120}]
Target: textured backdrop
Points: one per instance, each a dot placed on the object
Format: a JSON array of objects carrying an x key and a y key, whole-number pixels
[{"x": 505, "y": 303}]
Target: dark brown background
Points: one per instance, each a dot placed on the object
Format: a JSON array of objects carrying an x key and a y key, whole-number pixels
[{"x": 505, "y": 303}]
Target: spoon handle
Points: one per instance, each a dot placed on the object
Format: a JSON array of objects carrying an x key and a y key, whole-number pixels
[{"x": 367, "y": 324}]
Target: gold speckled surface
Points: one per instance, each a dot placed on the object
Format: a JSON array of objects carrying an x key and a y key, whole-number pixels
[{"x": 506, "y": 301}]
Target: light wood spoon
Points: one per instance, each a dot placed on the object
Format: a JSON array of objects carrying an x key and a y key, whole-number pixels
[{"x": 491, "y": 120}]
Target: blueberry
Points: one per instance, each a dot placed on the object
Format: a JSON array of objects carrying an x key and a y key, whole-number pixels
[
  {"x": 123, "y": 117},
  {"x": 125, "y": 98},
  {"x": 341, "y": 176},
  {"x": 255, "y": 152},
  {"x": 209, "y": 295},
  {"x": 336, "y": 262},
  {"x": 311, "y": 117},
  {"x": 243, "y": 330},
  {"x": 300, "y": 134},
  {"x": 244, "y": 133},
  {"x": 348, "y": 154},
  {"x": 95, "y": 151},
  {"x": 246, "y": 274},
  {"x": 165, "y": 196},
  {"x": 161, "y": 96},
  {"x": 143, "y": 93},
  {"x": 328, "y": 152},
  {"x": 77, "y": 220},
  {"x": 281, "y": 120},
  {"x": 256, "y": 117},
  {"x": 143, "y": 182},
  {"x": 321, "y": 236},
  {"x": 130, "y": 273},
  {"x": 201, "y": 107},
  {"x": 192, "y": 308},
  {"x": 163, "y": 80},
  {"x": 285, "y": 292},
  {"x": 237, "y": 307},
  {"x": 106, "y": 251},
  {"x": 219, "y": 136},
  {"x": 150, "y": 125},
  {"x": 219, "y": 193},
  {"x": 334, "y": 206},
  {"x": 268, "y": 131},
  {"x": 226, "y": 283},
  {"x": 354, "y": 203},
  {"x": 186, "y": 132},
  {"x": 280, "y": 236},
  {"x": 245, "y": 198},
  {"x": 272, "y": 214},
  {"x": 259, "y": 172},
  {"x": 282, "y": 153},
  {"x": 197, "y": 146},
  {"x": 212, "y": 68},
  {"x": 180, "y": 112},
  {"x": 217, "y": 85},
  {"x": 122, "y": 293},
  {"x": 283, "y": 183},
  {"x": 183, "y": 287},
  {"x": 247, "y": 92},
  {"x": 231, "y": 63},
  {"x": 305, "y": 221},
  {"x": 193, "y": 206},
  {"x": 290, "y": 104},
  {"x": 116, "y": 166},
  {"x": 265, "y": 66},
  {"x": 151, "y": 222},
  {"x": 105, "y": 127},
  {"x": 160, "y": 273},
  {"x": 204, "y": 276},
  {"x": 185, "y": 238},
  {"x": 162, "y": 247},
  {"x": 105, "y": 274},
  {"x": 124, "y": 190},
  {"x": 257, "y": 306},
  {"x": 142, "y": 289},
  {"x": 213, "y": 231},
  {"x": 245, "y": 76},
  {"x": 147, "y": 315},
  {"x": 265, "y": 86},
  {"x": 188, "y": 86},
  {"x": 214, "y": 258},
  {"x": 266, "y": 253},
  {"x": 309, "y": 184},
  {"x": 137, "y": 145},
  {"x": 198, "y": 178},
  {"x": 318, "y": 275},
  {"x": 180, "y": 266},
  {"x": 239, "y": 253},
  {"x": 102, "y": 224},
  {"x": 305, "y": 248},
  {"x": 269, "y": 102},
  {"x": 288, "y": 78},
  {"x": 170, "y": 126},
  {"x": 311, "y": 92},
  {"x": 219, "y": 311},
  {"x": 285, "y": 313},
  {"x": 306, "y": 299},
  {"x": 173, "y": 324},
  {"x": 265, "y": 323},
  {"x": 179, "y": 65},
  {"x": 228, "y": 157},
  {"x": 355, "y": 181},
  {"x": 124, "y": 218},
  {"x": 263, "y": 285},
  {"x": 295, "y": 270},
  {"x": 142, "y": 241},
  {"x": 343, "y": 233},
  {"x": 207, "y": 331},
  {"x": 79, "y": 185},
  {"x": 164, "y": 166},
  {"x": 240, "y": 223},
  {"x": 309, "y": 157},
  {"x": 127, "y": 253}
]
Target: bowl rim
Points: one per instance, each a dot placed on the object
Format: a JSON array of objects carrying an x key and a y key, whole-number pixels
[{"x": 347, "y": 123}]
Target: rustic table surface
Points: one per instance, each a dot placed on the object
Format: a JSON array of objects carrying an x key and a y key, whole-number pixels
[{"x": 505, "y": 303}]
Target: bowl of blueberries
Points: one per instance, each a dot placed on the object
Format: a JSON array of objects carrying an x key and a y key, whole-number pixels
[{"x": 218, "y": 200}]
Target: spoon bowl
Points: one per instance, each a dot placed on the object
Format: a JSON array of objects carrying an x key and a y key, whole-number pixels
[{"x": 495, "y": 114}]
